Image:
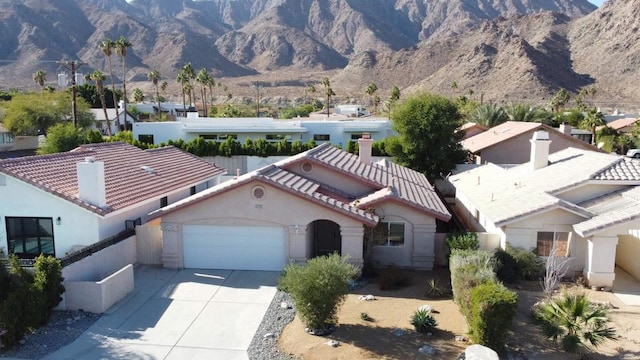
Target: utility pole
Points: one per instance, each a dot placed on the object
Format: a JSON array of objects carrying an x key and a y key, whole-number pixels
[{"x": 73, "y": 66}]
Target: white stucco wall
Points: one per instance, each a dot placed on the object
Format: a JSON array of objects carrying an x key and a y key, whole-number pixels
[{"x": 628, "y": 253}]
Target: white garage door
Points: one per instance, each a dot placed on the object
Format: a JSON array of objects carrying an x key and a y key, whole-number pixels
[{"x": 234, "y": 247}]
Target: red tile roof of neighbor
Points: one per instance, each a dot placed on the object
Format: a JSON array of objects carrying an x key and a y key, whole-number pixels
[
  {"x": 127, "y": 182},
  {"x": 389, "y": 181}
]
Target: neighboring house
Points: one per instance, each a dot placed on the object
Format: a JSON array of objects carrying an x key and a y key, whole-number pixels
[
  {"x": 508, "y": 143},
  {"x": 586, "y": 203},
  {"x": 622, "y": 125},
  {"x": 472, "y": 129},
  {"x": 57, "y": 203},
  {"x": 318, "y": 202},
  {"x": 336, "y": 130},
  {"x": 351, "y": 110},
  {"x": 15, "y": 144},
  {"x": 111, "y": 113}
]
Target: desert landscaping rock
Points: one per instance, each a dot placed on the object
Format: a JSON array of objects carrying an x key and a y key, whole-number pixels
[
  {"x": 428, "y": 308},
  {"x": 427, "y": 349},
  {"x": 367, "y": 297},
  {"x": 479, "y": 352},
  {"x": 333, "y": 343}
]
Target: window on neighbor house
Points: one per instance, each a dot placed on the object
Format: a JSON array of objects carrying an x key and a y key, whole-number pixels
[
  {"x": 213, "y": 137},
  {"x": 30, "y": 237},
  {"x": 356, "y": 136},
  {"x": 321, "y": 137},
  {"x": 164, "y": 201},
  {"x": 146, "y": 138},
  {"x": 224, "y": 137},
  {"x": 389, "y": 234},
  {"x": 547, "y": 239},
  {"x": 277, "y": 137},
  {"x": 192, "y": 190}
]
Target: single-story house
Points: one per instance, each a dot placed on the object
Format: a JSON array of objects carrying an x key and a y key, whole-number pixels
[
  {"x": 111, "y": 115},
  {"x": 54, "y": 204},
  {"x": 335, "y": 130},
  {"x": 622, "y": 125},
  {"x": 318, "y": 202},
  {"x": 585, "y": 203},
  {"x": 508, "y": 143},
  {"x": 14, "y": 144}
]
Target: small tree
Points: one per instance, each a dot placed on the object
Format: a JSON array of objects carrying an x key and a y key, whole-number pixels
[
  {"x": 318, "y": 289},
  {"x": 576, "y": 323},
  {"x": 555, "y": 269},
  {"x": 463, "y": 241},
  {"x": 48, "y": 279}
]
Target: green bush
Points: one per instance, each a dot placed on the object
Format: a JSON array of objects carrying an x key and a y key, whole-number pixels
[
  {"x": 423, "y": 321},
  {"x": 5, "y": 281},
  {"x": 493, "y": 309},
  {"x": 365, "y": 317},
  {"x": 506, "y": 266},
  {"x": 393, "y": 278},
  {"x": 463, "y": 241},
  {"x": 529, "y": 266},
  {"x": 469, "y": 268},
  {"x": 318, "y": 289},
  {"x": 48, "y": 279}
]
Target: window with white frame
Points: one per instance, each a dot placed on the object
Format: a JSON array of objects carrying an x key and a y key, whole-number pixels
[
  {"x": 389, "y": 234},
  {"x": 548, "y": 239}
]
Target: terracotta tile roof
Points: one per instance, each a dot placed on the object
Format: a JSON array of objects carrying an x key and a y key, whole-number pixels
[
  {"x": 389, "y": 180},
  {"x": 498, "y": 134},
  {"x": 622, "y": 123},
  {"x": 407, "y": 186},
  {"x": 127, "y": 183}
]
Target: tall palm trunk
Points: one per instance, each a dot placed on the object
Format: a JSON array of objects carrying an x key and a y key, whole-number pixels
[{"x": 113, "y": 93}]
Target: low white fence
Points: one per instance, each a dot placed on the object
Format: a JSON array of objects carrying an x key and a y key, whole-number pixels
[{"x": 98, "y": 296}]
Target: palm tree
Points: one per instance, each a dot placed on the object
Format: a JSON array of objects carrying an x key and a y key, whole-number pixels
[
  {"x": 327, "y": 87},
  {"x": 203, "y": 79},
  {"x": 121, "y": 46},
  {"x": 559, "y": 100},
  {"x": 311, "y": 89},
  {"x": 593, "y": 119},
  {"x": 329, "y": 94},
  {"x": 394, "y": 97},
  {"x": 40, "y": 77},
  {"x": 526, "y": 113},
  {"x": 489, "y": 115},
  {"x": 107, "y": 47},
  {"x": 138, "y": 95},
  {"x": 578, "y": 324},
  {"x": 190, "y": 74},
  {"x": 98, "y": 77},
  {"x": 182, "y": 80},
  {"x": 154, "y": 76},
  {"x": 371, "y": 89}
]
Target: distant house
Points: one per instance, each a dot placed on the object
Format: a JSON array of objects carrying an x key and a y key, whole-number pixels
[
  {"x": 53, "y": 204},
  {"x": 585, "y": 203},
  {"x": 335, "y": 130},
  {"x": 111, "y": 113},
  {"x": 508, "y": 143},
  {"x": 471, "y": 129},
  {"x": 351, "y": 110},
  {"x": 623, "y": 125},
  {"x": 10, "y": 144},
  {"x": 322, "y": 201}
]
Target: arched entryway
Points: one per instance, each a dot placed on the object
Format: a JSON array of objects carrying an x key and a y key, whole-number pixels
[{"x": 326, "y": 237}]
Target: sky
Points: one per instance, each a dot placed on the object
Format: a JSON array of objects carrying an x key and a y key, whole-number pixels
[{"x": 596, "y": 2}]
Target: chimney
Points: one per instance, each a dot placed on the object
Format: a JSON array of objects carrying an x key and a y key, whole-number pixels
[
  {"x": 364, "y": 144},
  {"x": 539, "y": 149},
  {"x": 565, "y": 128},
  {"x": 91, "y": 184}
]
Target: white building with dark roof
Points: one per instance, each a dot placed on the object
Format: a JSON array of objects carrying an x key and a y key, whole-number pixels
[
  {"x": 53, "y": 204},
  {"x": 584, "y": 202}
]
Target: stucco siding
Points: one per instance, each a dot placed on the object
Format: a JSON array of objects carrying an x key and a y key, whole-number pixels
[
  {"x": 628, "y": 252},
  {"x": 332, "y": 178}
]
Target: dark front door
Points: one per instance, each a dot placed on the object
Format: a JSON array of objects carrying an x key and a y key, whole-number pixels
[{"x": 326, "y": 238}]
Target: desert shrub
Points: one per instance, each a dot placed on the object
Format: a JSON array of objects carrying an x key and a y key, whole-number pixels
[
  {"x": 365, "y": 317},
  {"x": 5, "y": 283},
  {"x": 469, "y": 268},
  {"x": 463, "y": 241},
  {"x": 318, "y": 289},
  {"x": 48, "y": 279},
  {"x": 529, "y": 266},
  {"x": 493, "y": 309},
  {"x": 435, "y": 290},
  {"x": 393, "y": 278},
  {"x": 573, "y": 321},
  {"x": 423, "y": 321}
]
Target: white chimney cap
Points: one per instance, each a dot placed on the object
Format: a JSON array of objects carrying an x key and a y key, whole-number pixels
[
  {"x": 89, "y": 159},
  {"x": 540, "y": 135}
]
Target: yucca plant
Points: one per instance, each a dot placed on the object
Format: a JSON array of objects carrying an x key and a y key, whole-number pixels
[
  {"x": 573, "y": 321},
  {"x": 423, "y": 321}
]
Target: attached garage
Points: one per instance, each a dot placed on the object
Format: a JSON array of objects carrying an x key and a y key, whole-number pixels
[{"x": 234, "y": 247}]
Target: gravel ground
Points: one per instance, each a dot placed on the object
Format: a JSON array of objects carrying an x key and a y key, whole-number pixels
[
  {"x": 264, "y": 345},
  {"x": 62, "y": 329}
]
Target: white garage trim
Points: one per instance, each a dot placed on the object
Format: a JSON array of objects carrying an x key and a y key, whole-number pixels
[{"x": 234, "y": 247}]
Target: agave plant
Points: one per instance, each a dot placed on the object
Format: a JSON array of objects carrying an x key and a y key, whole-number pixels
[{"x": 573, "y": 321}]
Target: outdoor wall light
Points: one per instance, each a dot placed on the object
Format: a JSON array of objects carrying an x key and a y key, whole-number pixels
[{"x": 58, "y": 220}]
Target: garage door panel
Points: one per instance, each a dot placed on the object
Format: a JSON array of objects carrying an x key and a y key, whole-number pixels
[{"x": 231, "y": 247}]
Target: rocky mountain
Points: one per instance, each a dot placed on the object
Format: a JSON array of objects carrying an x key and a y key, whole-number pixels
[{"x": 499, "y": 49}]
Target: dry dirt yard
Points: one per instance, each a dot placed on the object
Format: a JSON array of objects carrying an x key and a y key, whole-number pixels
[{"x": 392, "y": 311}]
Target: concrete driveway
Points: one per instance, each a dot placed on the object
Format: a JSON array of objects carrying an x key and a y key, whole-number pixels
[{"x": 180, "y": 314}]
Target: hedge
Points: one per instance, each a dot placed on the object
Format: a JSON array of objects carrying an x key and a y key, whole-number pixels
[{"x": 493, "y": 310}]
